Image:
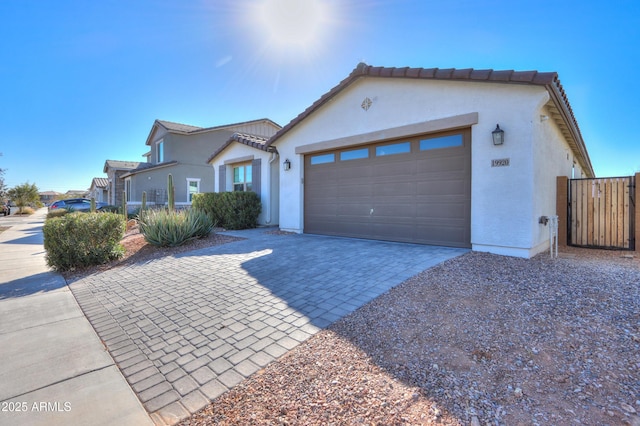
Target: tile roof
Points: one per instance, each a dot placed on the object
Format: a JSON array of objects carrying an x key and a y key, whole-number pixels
[
  {"x": 563, "y": 111},
  {"x": 100, "y": 182},
  {"x": 148, "y": 166},
  {"x": 178, "y": 127},
  {"x": 187, "y": 129},
  {"x": 254, "y": 141},
  {"x": 121, "y": 165}
]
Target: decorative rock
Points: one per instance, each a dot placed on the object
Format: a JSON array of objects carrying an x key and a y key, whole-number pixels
[{"x": 628, "y": 408}]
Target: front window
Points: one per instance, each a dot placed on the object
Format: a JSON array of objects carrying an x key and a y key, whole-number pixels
[
  {"x": 193, "y": 187},
  {"x": 127, "y": 189},
  {"x": 160, "y": 151},
  {"x": 242, "y": 178}
]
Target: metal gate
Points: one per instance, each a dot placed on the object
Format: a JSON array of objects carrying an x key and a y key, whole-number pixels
[{"x": 602, "y": 212}]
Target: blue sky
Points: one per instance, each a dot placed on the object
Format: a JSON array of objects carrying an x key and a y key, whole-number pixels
[{"x": 83, "y": 81}]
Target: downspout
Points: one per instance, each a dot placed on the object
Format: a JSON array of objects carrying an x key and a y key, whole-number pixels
[{"x": 274, "y": 156}]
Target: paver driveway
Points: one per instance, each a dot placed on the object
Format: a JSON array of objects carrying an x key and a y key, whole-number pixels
[{"x": 184, "y": 329}]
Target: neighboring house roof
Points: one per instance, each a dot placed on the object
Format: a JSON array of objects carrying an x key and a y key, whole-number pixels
[
  {"x": 186, "y": 129},
  {"x": 100, "y": 183},
  {"x": 144, "y": 167},
  {"x": 560, "y": 108},
  {"x": 121, "y": 165},
  {"x": 49, "y": 193},
  {"x": 254, "y": 141}
]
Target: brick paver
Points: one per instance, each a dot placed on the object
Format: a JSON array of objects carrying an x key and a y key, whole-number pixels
[{"x": 184, "y": 329}]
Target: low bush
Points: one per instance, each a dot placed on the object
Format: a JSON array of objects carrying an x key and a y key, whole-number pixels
[
  {"x": 76, "y": 240},
  {"x": 166, "y": 228},
  {"x": 231, "y": 210},
  {"x": 57, "y": 213},
  {"x": 26, "y": 211}
]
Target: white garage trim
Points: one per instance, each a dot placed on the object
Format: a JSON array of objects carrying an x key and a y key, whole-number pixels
[{"x": 438, "y": 125}]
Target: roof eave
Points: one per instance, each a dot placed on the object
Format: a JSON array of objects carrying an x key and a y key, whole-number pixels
[{"x": 566, "y": 115}]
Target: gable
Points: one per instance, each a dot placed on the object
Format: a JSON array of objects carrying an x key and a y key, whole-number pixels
[{"x": 557, "y": 101}]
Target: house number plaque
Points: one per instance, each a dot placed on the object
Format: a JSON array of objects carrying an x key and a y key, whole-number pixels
[{"x": 500, "y": 162}]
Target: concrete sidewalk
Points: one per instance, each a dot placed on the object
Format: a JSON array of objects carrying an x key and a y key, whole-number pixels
[{"x": 54, "y": 370}]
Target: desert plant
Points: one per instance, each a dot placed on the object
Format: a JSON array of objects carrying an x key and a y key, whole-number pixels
[
  {"x": 171, "y": 199},
  {"x": 26, "y": 211},
  {"x": 167, "y": 228},
  {"x": 93, "y": 205},
  {"x": 110, "y": 209},
  {"x": 78, "y": 240},
  {"x": 144, "y": 201},
  {"x": 124, "y": 204}
]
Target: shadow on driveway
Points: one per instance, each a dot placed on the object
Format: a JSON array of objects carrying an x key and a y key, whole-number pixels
[{"x": 185, "y": 329}]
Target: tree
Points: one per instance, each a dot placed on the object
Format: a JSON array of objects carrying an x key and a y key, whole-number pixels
[{"x": 23, "y": 195}]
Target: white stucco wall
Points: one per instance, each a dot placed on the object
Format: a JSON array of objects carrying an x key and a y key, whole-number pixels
[
  {"x": 269, "y": 182},
  {"x": 506, "y": 201}
]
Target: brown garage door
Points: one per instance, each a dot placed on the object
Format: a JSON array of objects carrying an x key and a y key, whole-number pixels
[{"x": 412, "y": 190}]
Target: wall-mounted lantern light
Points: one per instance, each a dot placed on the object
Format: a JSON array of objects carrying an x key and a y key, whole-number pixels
[
  {"x": 286, "y": 164},
  {"x": 498, "y": 135}
]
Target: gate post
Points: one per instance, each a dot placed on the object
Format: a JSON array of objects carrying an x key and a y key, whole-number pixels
[
  {"x": 637, "y": 212},
  {"x": 562, "y": 207}
]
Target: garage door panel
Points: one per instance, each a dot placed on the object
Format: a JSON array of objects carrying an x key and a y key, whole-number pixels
[
  {"x": 436, "y": 210},
  {"x": 394, "y": 188},
  {"x": 354, "y": 171},
  {"x": 434, "y": 167},
  {"x": 351, "y": 189},
  {"x": 422, "y": 197},
  {"x": 396, "y": 168},
  {"x": 397, "y": 210},
  {"x": 360, "y": 210},
  {"x": 401, "y": 231},
  {"x": 445, "y": 187}
]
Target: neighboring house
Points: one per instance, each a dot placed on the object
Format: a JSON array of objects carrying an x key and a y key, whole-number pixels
[
  {"x": 75, "y": 193},
  {"x": 245, "y": 163},
  {"x": 48, "y": 197},
  {"x": 181, "y": 150},
  {"x": 99, "y": 190},
  {"x": 115, "y": 169},
  {"x": 407, "y": 154}
]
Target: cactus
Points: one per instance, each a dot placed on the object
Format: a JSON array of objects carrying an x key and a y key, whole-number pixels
[
  {"x": 144, "y": 201},
  {"x": 124, "y": 205},
  {"x": 93, "y": 205},
  {"x": 170, "y": 193}
]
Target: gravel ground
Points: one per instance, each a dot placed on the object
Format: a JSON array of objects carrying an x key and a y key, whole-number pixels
[{"x": 478, "y": 340}]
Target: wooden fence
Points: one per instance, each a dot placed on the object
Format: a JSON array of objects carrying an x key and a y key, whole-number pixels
[{"x": 602, "y": 212}]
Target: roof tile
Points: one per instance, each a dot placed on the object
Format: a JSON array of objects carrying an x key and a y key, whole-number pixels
[
  {"x": 548, "y": 79},
  {"x": 501, "y": 75}
]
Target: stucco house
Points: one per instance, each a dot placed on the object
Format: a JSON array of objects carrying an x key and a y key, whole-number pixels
[
  {"x": 115, "y": 169},
  {"x": 409, "y": 154},
  {"x": 181, "y": 150},
  {"x": 99, "y": 189},
  {"x": 245, "y": 163}
]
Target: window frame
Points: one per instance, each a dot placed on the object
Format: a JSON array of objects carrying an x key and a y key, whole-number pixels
[
  {"x": 247, "y": 185},
  {"x": 127, "y": 189},
  {"x": 189, "y": 193},
  {"x": 160, "y": 151}
]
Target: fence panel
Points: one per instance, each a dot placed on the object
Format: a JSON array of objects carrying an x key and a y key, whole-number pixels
[{"x": 602, "y": 212}]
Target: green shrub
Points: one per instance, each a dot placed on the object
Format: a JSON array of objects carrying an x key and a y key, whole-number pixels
[
  {"x": 231, "y": 210},
  {"x": 167, "y": 228},
  {"x": 82, "y": 239},
  {"x": 57, "y": 213}
]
